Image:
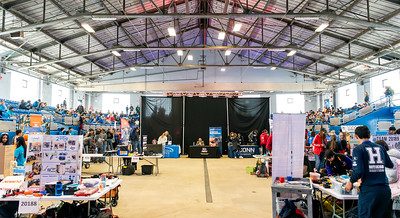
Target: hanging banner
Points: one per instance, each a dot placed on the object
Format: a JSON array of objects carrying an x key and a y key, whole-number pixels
[{"x": 393, "y": 141}]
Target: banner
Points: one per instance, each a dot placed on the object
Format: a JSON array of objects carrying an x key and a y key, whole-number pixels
[
  {"x": 215, "y": 137},
  {"x": 288, "y": 145},
  {"x": 393, "y": 141},
  {"x": 35, "y": 120},
  {"x": 53, "y": 158}
]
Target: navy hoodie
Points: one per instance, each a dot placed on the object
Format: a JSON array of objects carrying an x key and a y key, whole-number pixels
[{"x": 369, "y": 162}]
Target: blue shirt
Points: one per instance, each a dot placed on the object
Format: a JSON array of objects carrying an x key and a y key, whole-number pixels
[
  {"x": 19, "y": 156},
  {"x": 369, "y": 162}
]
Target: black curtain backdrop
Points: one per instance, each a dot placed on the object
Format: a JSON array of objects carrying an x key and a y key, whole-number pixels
[
  {"x": 161, "y": 114},
  {"x": 247, "y": 114},
  {"x": 202, "y": 113}
]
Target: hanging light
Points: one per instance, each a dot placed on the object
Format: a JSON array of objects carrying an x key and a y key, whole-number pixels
[
  {"x": 190, "y": 57},
  {"x": 133, "y": 68},
  {"x": 221, "y": 35},
  {"x": 321, "y": 27},
  {"x": 179, "y": 52},
  {"x": 291, "y": 53},
  {"x": 223, "y": 69},
  {"x": 237, "y": 27},
  {"x": 171, "y": 31},
  {"x": 228, "y": 52},
  {"x": 87, "y": 27},
  {"x": 116, "y": 53}
]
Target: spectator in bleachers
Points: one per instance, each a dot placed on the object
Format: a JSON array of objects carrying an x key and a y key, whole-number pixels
[
  {"x": 389, "y": 95},
  {"x": 22, "y": 105},
  {"x": 3, "y": 106},
  {"x": 392, "y": 130},
  {"x": 36, "y": 104},
  {"x": 64, "y": 104},
  {"x": 80, "y": 109},
  {"x": 88, "y": 141},
  {"x": 366, "y": 98}
]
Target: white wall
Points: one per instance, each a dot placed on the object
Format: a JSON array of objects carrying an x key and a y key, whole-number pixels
[
  {"x": 46, "y": 94},
  {"x": 5, "y": 84},
  {"x": 290, "y": 103},
  {"x": 378, "y": 84},
  {"x": 310, "y": 102},
  {"x": 347, "y": 96}
]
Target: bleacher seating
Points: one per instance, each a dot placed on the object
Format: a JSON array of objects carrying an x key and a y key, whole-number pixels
[{"x": 364, "y": 111}]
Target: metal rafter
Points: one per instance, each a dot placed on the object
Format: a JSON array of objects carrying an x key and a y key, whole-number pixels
[
  {"x": 355, "y": 38},
  {"x": 351, "y": 6}
]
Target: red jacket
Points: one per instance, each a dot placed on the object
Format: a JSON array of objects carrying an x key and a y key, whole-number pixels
[
  {"x": 269, "y": 143},
  {"x": 263, "y": 138},
  {"x": 318, "y": 144}
]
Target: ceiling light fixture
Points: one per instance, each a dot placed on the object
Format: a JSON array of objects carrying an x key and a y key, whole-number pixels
[
  {"x": 228, "y": 52},
  {"x": 291, "y": 53},
  {"x": 276, "y": 49},
  {"x": 104, "y": 18},
  {"x": 273, "y": 68},
  {"x": 223, "y": 69},
  {"x": 259, "y": 67},
  {"x": 133, "y": 68},
  {"x": 131, "y": 49},
  {"x": 87, "y": 27},
  {"x": 221, "y": 35},
  {"x": 190, "y": 57},
  {"x": 321, "y": 27},
  {"x": 171, "y": 31},
  {"x": 179, "y": 52},
  {"x": 306, "y": 18},
  {"x": 237, "y": 27},
  {"x": 116, "y": 53},
  {"x": 147, "y": 68}
]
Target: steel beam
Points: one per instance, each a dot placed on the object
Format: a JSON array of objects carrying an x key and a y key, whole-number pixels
[{"x": 325, "y": 15}]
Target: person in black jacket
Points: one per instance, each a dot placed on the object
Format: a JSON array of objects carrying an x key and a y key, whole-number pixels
[{"x": 369, "y": 162}]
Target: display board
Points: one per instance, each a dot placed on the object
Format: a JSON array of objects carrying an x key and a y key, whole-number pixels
[
  {"x": 52, "y": 158},
  {"x": 288, "y": 145},
  {"x": 215, "y": 135},
  {"x": 393, "y": 141}
]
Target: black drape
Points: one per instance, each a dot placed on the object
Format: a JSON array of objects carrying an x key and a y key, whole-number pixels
[
  {"x": 247, "y": 114},
  {"x": 161, "y": 114},
  {"x": 202, "y": 113}
]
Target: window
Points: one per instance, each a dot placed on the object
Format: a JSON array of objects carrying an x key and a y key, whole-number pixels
[
  {"x": 347, "y": 96},
  {"x": 289, "y": 103},
  {"x": 24, "y": 87},
  {"x": 58, "y": 94},
  {"x": 379, "y": 84},
  {"x": 115, "y": 102}
]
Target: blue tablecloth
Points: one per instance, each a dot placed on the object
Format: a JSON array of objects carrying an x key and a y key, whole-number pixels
[
  {"x": 171, "y": 151},
  {"x": 246, "y": 151}
]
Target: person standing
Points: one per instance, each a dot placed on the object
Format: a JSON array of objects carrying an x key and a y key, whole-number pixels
[
  {"x": 319, "y": 148},
  {"x": 366, "y": 98},
  {"x": 369, "y": 162},
  {"x": 389, "y": 95},
  {"x": 263, "y": 141},
  {"x": 20, "y": 152}
]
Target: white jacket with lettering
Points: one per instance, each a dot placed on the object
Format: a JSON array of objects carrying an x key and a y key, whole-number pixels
[{"x": 392, "y": 174}]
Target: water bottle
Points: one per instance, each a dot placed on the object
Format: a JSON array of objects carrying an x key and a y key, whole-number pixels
[{"x": 59, "y": 189}]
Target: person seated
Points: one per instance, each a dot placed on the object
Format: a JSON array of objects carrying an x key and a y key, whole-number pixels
[
  {"x": 36, "y": 104},
  {"x": 22, "y": 105},
  {"x": 163, "y": 139},
  {"x": 3, "y": 107},
  {"x": 200, "y": 142},
  {"x": 154, "y": 141},
  {"x": 337, "y": 164}
]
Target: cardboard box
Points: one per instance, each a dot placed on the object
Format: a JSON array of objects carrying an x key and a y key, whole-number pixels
[{"x": 6, "y": 158}]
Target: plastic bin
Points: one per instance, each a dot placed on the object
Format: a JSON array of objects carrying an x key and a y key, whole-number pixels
[{"x": 171, "y": 151}]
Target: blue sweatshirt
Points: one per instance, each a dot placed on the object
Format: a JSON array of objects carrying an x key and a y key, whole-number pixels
[{"x": 369, "y": 162}]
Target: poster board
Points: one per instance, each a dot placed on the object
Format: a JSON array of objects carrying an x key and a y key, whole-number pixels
[
  {"x": 288, "y": 145},
  {"x": 393, "y": 141},
  {"x": 6, "y": 158},
  {"x": 35, "y": 120},
  {"x": 53, "y": 158},
  {"x": 215, "y": 135}
]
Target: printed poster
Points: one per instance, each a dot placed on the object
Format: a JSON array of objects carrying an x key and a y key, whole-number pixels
[
  {"x": 215, "y": 137},
  {"x": 52, "y": 159},
  {"x": 393, "y": 141}
]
